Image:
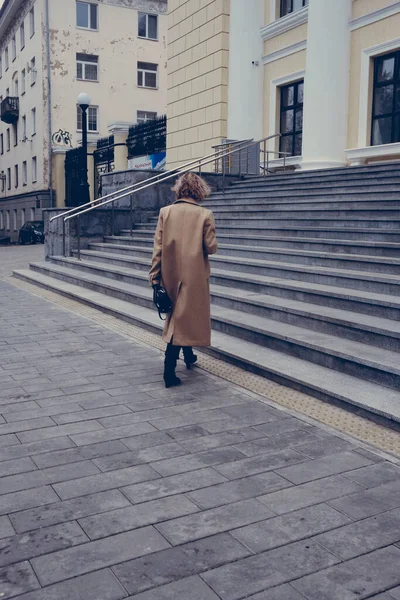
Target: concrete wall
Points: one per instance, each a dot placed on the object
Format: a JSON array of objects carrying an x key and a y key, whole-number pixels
[
  {"x": 27, "y": 207},
  {"x": 198, "y": 44}
]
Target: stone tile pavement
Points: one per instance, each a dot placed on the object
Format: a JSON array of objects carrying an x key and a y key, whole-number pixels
[{"x": 112, "y": 487}]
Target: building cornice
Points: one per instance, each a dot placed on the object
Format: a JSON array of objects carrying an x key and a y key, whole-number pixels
[
  {"x": 295, "y": 19},
  {"x": 375, "y": 16},
  {"x": 8, "y": 13},
  {"x": 287, "y": 51}
]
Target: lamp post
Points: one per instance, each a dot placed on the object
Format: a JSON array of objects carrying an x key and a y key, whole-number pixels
[{"x": 84, "y": 101}]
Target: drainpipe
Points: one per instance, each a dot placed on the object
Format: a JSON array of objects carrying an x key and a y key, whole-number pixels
[{"x": 49, "y": 123}]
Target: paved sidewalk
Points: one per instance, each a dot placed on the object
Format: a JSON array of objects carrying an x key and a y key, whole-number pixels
[{"x": 113, "y": 487}]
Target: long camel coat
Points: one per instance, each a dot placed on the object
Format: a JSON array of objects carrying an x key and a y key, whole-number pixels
[{"x": 185, "y": 237}]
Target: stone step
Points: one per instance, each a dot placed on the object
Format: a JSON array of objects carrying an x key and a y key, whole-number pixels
[
  {"x": 272, "y": 202},
  {"x": 319, "y": 245},
  {"x": 325, "y": 383},
  {"x": 369, "y": 303},
  {"x": 388, "y": 183},
  {"x": 361, "y": 280},
  {"x": 373, "y": 330},
  {"x": 379, "y": 223},
  {"x": 379, "y": 214},
  {"x": 306, "y": 257},
  {"x": 285, "y": 195}
]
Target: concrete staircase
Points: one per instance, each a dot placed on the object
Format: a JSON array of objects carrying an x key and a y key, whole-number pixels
[{"x": 305, "y": 287}]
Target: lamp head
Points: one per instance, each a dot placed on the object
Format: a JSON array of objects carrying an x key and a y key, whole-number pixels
[{"x": 84, "y": 100}]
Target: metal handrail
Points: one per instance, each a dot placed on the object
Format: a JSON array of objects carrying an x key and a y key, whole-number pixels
[{"x": 131, "y": 190}]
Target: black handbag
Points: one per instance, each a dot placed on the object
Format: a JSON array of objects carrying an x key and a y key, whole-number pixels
[{"x": 162, "y": 301}]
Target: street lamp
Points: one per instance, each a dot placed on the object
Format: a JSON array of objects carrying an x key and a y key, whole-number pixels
[{"x": 84, "y": 101}]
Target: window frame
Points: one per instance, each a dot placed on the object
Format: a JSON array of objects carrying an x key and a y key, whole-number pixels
[
  {"x": 9, "y": 182},
  {"x": 147, "y": 37},
  {"x": 79, "y": 114},
  {"x": 84, "y": 64},
  {"x": 14, "y": 48},
  {"x": 23, "y": 82},
  {"x": 32, "y": 21},
  {"x": 22, "y": 40},
  {"x": 33, "y": 121},
  {"x": 395, "y": 83},
  {"x": 143, "y": 72},
  {"x": 8, "y": 139},
  {"x": 89, "y": 5},
  {"x": 145, "y": 119},
  {"x": 7, "y": 58},
  {"x": 1, "y": 67},
  {"x": 34, "y": 169},
  {"x": 33, "y": 71},
  {"x": 25, "y": 173},
  {"x": 15, "y": 130},
  {"x": 1, "y": 144},
  {"x": 296, "y": 106},
  {"x": 289, "y": 12}
]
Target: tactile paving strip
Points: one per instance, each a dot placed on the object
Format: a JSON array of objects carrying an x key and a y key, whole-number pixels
[{"x": 362, "y": 429}]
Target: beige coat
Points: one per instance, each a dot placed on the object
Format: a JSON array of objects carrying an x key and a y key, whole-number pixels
[{"x": 184, "y": 239}]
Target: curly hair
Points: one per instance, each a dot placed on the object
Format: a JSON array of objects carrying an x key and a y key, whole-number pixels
[{"x": 192, "y": 186}]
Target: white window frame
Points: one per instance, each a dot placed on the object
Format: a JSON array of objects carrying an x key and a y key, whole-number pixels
[
  {"x": 147, "y": 37},
  {"x": 9, "y": 180},
  {"x": 146, "y": 113},
  {"x": 84, "y": 64},
  {"x": 15, "y": 218},
  {"x": 32, "y": 21},
  {"x": 79, "y": 115},
  {"x": 23, "y": 82},
  {"x": 22, "y": 35},
  {"x": 24, "y": 179},
  {"x": 24, "y": 129},
  {"x": 7, "y": 58},
  {"x": 144, "y": 71},
  {"x": 16, "y": 87},
  {"x": 8, "y": 219},
  {"x": 13, "y": 48},
  {"x": 89, "y": 4},
  {"x": 1, "y": 67},
  {"x": 34, "y": 173},
  {"x": 1, "y": 219},
  {"x": 23, "y": 212},
  {"x": 33, "y": 121},
  {"x": 1, "y": 144},
  {"x": 33, "y": 71},
  {"x": 8, "y": 139}
]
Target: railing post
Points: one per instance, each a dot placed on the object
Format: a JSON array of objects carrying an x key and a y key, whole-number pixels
[
  {"x": 64, "y": 240},
  {"x": 268, "y": 161},
  {"x": 131, "y": 214},
  {"x": 247, "y": 168},
  {"x": 223, "y": 176},
  {"x": 284, "y": 162},
  {"x": 240, "y": 162},
  {"x": 79, "y": 236},
  {"x": 265, "y": 157},
  {"x": 112, "y": 218}
]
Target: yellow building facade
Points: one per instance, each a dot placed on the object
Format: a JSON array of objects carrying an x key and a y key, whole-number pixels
[{"x": 324, "y": 75}]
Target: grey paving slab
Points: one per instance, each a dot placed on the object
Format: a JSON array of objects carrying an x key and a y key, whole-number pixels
[
  {"x": 42, "y": 541},
  {"x": 192, "y": 587},
  {"x": 95, "y": 586},
  {"x": 176, "y": 484},
  {"x": 363, "y": 536},
  {"x": 30, "y": 424},
  {"x": 93, "y": 556},
  {"x": 326, "y": 447},
  {"x": 282, "y": 592},
  {"x": 6, "y": 529},
  {"x": 191, "y": 462},
  {"x": 69, "y": 510},
  {"x": 83, "y": 453},
  {"x": 394, "y": 593},
  {"x": 290, "y": 439},
  {"x": 179, "y": 562},
  {"x": 146, "y": 455},
  {"x": 137, "y": 417},
  {"x": 269, "y": 569},
  {"x": 10, "y": 503},
  {"x": 322, "y": 467},
  {"x": 20, "y": 450},
  {"x": 24, "y": 413},
  {"x": 133, "y": 517},
  {"x": 299, "y": 525},
  {"x": 36, "y": 435},
  {"x": 260, "y": 464},
  {"x": 8, "y": 440},
  {"x": 230, "y": 423},
  {"x": 19, "y": 465},
  {"x": 206, "y": 416},
  {"x": 113, "y": 433},
  {"x": 207, "y": 442},
  {"x": 104, "y": 481},
  {"x": 354, "y": 580},
  {"x": 213, "y": 521},
  {"x": 375, "y": 475},
  {"x": 24, "y": 481},
  {"x": 310, "y": 493},
  {"x": 17, "y": 579},
  {"x": 86, "y": 415},
  {"x": 188, "y": 432},
  {"x": 240, "y": 489},
  {"x": 370, "y": 502},
  {"x": 147, "y": 440}
]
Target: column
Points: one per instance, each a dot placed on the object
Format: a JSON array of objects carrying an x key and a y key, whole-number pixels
[
  {"x": 326, "y": 89},
  {"x": 58, "y": 183},
  {"x": 246, "y": 73},
  {"x": 120, "y": 132}
]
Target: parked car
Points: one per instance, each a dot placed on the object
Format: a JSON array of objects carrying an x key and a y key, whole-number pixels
[{"x": 32, "y": 232}]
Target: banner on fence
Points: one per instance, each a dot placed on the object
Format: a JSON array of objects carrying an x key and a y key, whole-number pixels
[{"x": 150, "y": 161}]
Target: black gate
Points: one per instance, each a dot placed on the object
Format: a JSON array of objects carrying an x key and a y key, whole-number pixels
[
  {"x": 74, "y": 176},
  {"x": 103, "y": 162},
  {"x": 147, "y": 138}
]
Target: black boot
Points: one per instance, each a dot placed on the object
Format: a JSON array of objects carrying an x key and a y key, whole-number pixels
[
  {"x": 189, "y": 357},
  {"x": 171, "y": 357}
]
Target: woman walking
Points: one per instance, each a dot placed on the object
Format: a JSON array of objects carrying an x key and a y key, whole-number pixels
[{"x": 184, "y": 239}]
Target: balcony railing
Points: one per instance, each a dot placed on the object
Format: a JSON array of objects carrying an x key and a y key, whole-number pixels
[{"x": 10, "y": 110}]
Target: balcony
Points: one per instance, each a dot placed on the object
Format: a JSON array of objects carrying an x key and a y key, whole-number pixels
[{"x": 10, "y": 110}]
